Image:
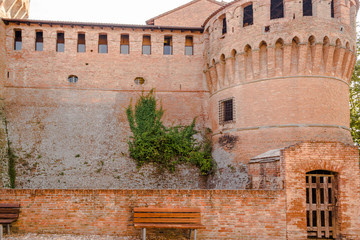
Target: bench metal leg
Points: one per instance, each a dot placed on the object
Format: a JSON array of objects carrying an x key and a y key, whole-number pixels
[
  {"x": 144, "y": 233},
  {"x": 190, "y": 234},
  {"x": 194, "y": 234},
  {"x": 1, "y": 231}
]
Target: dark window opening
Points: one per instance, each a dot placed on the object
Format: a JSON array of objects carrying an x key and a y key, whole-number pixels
[
  {"x": 81, "y": 47},
  {"x": 124, "y": 44},
  {"x": 277, "y": 9},
  {"x": 39, "y": 41},
  {"x": 224, "y": 26},
  {"x": 226, "y": 111},
  {"x": 248, "y": 16},
  {"x": 60, "y": 42},
  {"x": 146, "y": 45},
  {"x": 73, "y": 79},
  {"x": 267, "y": 29},
  {"x": 168, "y": 45},
  {"x": 139, "y": 80},
  {"x": 307, "y": 7},
  {"x": 18, "y": 40},
  {"x": 332, "y": 9},
  {"x": 103, "y": 44},
  {"x": 189, "y": 45}
]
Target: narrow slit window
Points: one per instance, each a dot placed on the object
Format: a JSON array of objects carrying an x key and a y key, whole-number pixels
[
  {"x": 277, "y": 9},
  {"x": 248, "y": 16},
  {"x": 332, "y": 9},
  {"x": 17, "y": 40},
  {"x": 224, "y": 25},
  {"x": 81, "y": 45},
  {"x": 39, "y": 41},
  {"x": 226, "y": 111},
  {"x": 189, "y": 45},
  {"x": 307, "y": 8},
  {"x": 168, "y": 45},
  {"x": 124, "y": 44},
  {"x": 146, "y": 45},
  {"x": 103, "y": 43},
  {"x": 60, "y": 42}
]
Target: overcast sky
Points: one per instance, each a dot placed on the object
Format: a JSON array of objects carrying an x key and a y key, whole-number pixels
[{"x": 105, "y": 11}]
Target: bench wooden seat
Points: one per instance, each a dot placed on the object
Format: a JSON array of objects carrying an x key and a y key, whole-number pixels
[
  {"x": 181, "y": 218},
  {"x": 9, "y": 213}
]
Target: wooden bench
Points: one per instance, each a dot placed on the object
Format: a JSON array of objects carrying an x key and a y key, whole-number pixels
[
  {"x": 183, "y": 218},
  {"x": 9, "y": 213}
]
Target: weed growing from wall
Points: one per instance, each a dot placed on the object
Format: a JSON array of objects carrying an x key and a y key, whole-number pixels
[{"x": 166, "y": 147}]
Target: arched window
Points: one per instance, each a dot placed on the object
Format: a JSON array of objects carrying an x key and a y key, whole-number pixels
[{"x": 73, "y": 79}]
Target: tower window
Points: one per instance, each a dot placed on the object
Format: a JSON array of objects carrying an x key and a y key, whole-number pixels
[
  {"x": 17, "y": 40},
  {"x": 60, "y": 42},
  {"x": 81, "y": 47},
  {"x": 248, "y": 16},
  {"x": 224, "y": 26},
  {"x": 124, "y": 44},
  {"x": 277, "y": 9},
  {"x": 168, "y": 45},
  {"x": 307, "y": 7},
  {"x": 189, "y": 45},
  {"x": 226, "y": 111},
  {"x": 103, "y": 43},
  {"x": 332, "y": 9},
  {"x": 146, "y": 45},
  {"x": 73, "y": 79},
  {"x": 39, "y": 41}
]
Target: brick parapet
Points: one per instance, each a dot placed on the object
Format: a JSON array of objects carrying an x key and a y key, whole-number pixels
[{"x": 227, "y": 214}]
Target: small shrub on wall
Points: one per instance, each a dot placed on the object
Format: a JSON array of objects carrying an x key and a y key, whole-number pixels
[{"x": 166, "y": 147}]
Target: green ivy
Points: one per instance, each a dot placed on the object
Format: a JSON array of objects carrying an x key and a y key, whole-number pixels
[{"x": 166, "y": 147}]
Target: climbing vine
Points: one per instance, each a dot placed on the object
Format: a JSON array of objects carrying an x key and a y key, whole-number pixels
[{"x": 165, "y": 146}]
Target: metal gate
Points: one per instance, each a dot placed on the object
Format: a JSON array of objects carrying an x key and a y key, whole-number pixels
[{"x": 321, "y": 190}]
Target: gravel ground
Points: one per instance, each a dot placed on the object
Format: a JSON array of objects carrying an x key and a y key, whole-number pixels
[{"x": 32, "y": 236}]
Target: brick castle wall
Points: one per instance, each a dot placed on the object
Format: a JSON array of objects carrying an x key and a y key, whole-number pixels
[
  {"x": 343, "y": 161},
  {"x": 227, "y": 214},
  {"x": 289, "y": 77}
]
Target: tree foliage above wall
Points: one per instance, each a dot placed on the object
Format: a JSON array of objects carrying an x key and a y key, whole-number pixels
[
  {"x": 355, "y": 101},
  {"x": 166, "y": 147}
]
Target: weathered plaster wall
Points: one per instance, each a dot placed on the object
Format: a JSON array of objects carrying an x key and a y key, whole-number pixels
[
  {"x": 3, "y": 136},
  {"x": 74, "y": 135}
]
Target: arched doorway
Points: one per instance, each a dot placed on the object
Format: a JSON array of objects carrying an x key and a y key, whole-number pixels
[{"x": 321, "y": 198}]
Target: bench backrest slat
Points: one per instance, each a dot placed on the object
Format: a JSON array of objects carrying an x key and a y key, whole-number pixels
[
  {"x": 9, "y": 205},
  {"x": 9, "y": 211},
  {"x": 8, "y": 216},
  {"x": 171, "y": 210},
  {"x": 168, "y": 220},
  {"x": 167, "y": 215},
  {"x": 164, "y": 215}
]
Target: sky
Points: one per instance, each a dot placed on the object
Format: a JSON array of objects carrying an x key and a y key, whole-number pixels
[{"x": 102, "y": 11}]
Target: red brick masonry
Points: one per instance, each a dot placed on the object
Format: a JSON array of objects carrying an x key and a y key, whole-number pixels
[{"x": 227, "y": 214}]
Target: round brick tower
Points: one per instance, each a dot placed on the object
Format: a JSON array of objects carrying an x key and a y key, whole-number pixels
[{"x": 278, "y": 72}]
